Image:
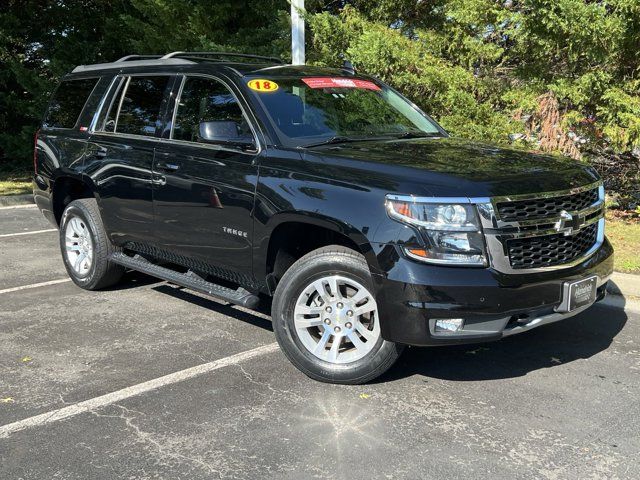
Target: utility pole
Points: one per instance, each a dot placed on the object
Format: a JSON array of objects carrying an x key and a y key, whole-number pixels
[{"x": 297, "y": 32}]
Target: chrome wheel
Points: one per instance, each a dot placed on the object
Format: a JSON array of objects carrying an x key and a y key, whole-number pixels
[
  {"x": 78, "y": 245},
  {"x": 336, "y": 319}
]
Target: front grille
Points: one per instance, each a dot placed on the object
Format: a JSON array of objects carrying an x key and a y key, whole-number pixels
[
  {"x": 545, "y": 207},
  {"x": 551, "y": 250}
]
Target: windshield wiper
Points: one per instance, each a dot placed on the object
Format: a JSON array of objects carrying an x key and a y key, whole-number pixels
[
  {"x": 342, "y": 139},
  {"x": 339, "y": 139},
  {"x": 415, "y": 135}
]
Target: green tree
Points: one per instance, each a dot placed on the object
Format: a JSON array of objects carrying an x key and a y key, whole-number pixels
[
  {"x": 40, "y": 41},
  {"x": 559, "y": 75}
]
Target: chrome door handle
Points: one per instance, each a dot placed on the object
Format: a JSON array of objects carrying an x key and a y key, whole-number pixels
[{"x": 161, "y": 180}]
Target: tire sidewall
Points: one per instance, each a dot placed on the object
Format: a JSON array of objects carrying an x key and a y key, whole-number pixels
[
  {"x": 292, "y": 284},
  {"x": 76, "y": 209}
]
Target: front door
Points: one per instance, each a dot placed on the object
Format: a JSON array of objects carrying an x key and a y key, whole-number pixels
[{"x": 204, "y": 194}]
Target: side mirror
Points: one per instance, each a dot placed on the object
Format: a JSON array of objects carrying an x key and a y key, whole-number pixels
[{"x": 225, "y": 132}]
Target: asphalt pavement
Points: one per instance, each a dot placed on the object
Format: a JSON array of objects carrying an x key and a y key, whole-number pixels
[{"x": 148, "y": 380}]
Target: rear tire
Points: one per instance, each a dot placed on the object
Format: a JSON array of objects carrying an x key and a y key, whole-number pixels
[
  {"x": 86, "y": 248},
  {"x": 325, "y": 318}
]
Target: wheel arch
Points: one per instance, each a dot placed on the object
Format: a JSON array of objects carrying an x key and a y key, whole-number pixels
[
  {"x": 67, "y": 188},
  {"x": 292, "y": 235}
]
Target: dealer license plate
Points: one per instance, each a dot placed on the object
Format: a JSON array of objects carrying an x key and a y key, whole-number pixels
[{"x": 579, "y": 293}]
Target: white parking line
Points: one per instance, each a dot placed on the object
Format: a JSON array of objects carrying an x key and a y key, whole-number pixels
[
  {"x": 4, "y": 235},
  {"x": 118, "y": 395},
  {"x": 31, "y": 205},
  {"x": 34, "y": 285}
]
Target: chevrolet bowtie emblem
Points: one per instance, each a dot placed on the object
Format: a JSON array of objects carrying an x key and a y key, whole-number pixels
[{"x": 569, "y": 224}]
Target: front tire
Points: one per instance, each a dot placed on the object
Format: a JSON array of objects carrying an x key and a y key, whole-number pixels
[
  {"x": 325, "y": 318},
  {"x": 86, "y": 248}
]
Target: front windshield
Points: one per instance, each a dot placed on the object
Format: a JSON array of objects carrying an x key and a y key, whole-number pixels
[{"x": 314, "y": 110}]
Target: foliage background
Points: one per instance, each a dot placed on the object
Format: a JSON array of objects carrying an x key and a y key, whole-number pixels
[{"x": 561, "y": 76}]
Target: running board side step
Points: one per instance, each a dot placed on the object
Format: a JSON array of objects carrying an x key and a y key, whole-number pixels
[{"x": 189, "y": 280}]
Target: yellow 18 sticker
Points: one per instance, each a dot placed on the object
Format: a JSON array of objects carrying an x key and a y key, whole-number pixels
[{"x": 262, "y": 85}]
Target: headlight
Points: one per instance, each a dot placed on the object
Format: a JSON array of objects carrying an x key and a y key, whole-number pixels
[{"x": 451, "y": 230}]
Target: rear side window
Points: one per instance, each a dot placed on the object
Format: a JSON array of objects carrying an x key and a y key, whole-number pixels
[
  {"x": 140, "y": 106},
  {"x": 67, "y": 103}
]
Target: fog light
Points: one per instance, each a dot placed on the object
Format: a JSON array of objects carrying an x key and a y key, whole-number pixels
[{"x": 449, "y": 324}]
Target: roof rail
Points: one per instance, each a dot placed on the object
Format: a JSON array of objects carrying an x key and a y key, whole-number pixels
[
  {"x": 133, "y": 62},
  {"x": 137, "y": 57},
  {"x": 220, "y": 54},
  {"x": 173, "y": 58}
]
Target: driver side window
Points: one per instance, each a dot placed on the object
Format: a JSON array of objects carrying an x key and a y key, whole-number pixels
[{"x": 207, "y": 100}]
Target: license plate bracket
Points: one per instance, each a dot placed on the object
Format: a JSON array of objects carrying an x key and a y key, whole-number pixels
[{"x": 578, "y": 293}]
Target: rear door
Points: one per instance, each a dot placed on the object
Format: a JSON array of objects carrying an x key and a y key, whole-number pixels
[
  {"x": 205, "y": 191},
  {"x": 120, "y": 155}
]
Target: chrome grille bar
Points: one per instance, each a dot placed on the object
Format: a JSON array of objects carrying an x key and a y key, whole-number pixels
[{"x": 499, "y": 232}]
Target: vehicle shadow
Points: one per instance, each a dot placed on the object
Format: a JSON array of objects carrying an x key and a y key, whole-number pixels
[
  {"x": 224, "y": 308},
  {"x": 576, "y": 338},
  {"x": 133, "y": 279}
]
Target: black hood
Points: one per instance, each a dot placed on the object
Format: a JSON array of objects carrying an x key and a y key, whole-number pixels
[{"x": 452, "y": 167}]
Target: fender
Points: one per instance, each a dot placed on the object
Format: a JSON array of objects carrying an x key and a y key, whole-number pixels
[
  {"x": 293, "y": 190},
  {"x": 58, "y": 157},
  {"x": 336, "y": 225}
]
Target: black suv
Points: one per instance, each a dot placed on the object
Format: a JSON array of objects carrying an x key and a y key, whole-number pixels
[{"x": 327, "y": 190}]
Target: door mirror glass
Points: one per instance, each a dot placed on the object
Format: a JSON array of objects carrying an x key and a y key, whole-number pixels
[{"x": 223, "y": 131}]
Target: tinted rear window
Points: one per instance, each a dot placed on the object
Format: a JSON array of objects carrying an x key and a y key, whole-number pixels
[
  {"x": 140, "y": 108},
  {"x": 67, "y": 103}
]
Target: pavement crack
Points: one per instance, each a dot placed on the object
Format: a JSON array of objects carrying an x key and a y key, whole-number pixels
[
  {"x": 147, "y": 438},
  {"x": 274, "y": 391}
]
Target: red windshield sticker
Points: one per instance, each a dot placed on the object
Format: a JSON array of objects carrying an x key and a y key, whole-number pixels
[{"x": 339, "y": 82}]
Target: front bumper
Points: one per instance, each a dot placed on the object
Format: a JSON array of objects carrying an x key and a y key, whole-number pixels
[{"x": 412, "y": 296}]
